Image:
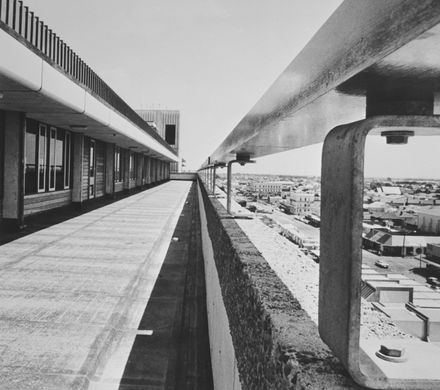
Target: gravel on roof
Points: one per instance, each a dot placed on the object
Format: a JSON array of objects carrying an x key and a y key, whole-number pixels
[{"x": 301, "y": 276}]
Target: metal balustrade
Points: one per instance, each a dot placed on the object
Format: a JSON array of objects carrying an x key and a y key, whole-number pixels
[
  {"x": 17, "y": 20},
  {"x": 373, "y": 66}
]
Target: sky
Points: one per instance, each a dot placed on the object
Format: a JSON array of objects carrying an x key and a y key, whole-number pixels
[{"x": 210, "y": 59}]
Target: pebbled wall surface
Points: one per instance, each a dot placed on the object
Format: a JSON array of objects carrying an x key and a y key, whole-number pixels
[{"x": 277, "y": 345}]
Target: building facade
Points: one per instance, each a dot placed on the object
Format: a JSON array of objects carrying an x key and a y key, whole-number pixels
[
  {"x": 429, "y": 220},
  {"x": 265, "y": 188},
  {"x": 65, "y": 136},
  {"x": 43, "y": 167},
  {"x": 301, "y": 202},
  {"x": 167, "y": 125}
]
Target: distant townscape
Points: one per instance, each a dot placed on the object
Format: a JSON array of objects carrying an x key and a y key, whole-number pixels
[
  {"x": 401, "y": 216},
  {"x": 400, "y": 239}
]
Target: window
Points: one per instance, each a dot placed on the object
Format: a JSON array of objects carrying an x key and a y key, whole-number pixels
[
  {"x": 132, "y": 166},
  {"x": 52, "y": 160},
  {"x": 92, "y": 169},
  {"x": 170, "y": 134},
  {"x": 145, "y": 171},
  {"x": 66, "y": 160},
  {"x": 31, "y": 160},
  {"x": 47, "y": 158},
  {"x": 118, "y": 165},
  {"x": 42, "y": 158}
]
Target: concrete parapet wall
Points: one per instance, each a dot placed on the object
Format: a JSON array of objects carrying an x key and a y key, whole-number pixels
[
  {"x": 276, "y": 344},
  {"x": 183, "y": 176},
  {"x": 223, "y": 362}
]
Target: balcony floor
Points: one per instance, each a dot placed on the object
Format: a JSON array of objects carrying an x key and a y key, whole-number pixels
[{"x": 107, "y": 300}]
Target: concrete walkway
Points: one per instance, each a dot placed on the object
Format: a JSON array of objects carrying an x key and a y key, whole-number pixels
[{"x": 72, "y": 295}]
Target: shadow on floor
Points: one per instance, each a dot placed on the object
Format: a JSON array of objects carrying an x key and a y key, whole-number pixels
[
  {"x": 176, "y": 356},
  {"x": 48, "y": 218}
]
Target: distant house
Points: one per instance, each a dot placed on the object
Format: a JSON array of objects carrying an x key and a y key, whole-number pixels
[
  {"x": 389, "y": 190},
  {"x": 167, "y": 124},
  {"x": 429, "y": 220},
  {"x": 266, "y": 188},
  {"x": 291, "y": 232},
  {"x": 274, "y": 199},
  {"x": 300, "y": 202},
  {"x": 390, "y": 244},
  {"x": 375, "y": 207},
  {"x": 395, "y": 219},
  {"x": 433, "y": 252}
]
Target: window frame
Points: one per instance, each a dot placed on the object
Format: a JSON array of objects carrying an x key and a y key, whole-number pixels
[
  {"x": 41, "y": 127},
  {"x": 35, "y": 132},
  {"x": 67, "y": 158},
  {"x": 132, "y": 166},
  {"x": 118, "y": 165},
  {"x": 51, "y": 156},
  {"x": 92, "y": 169}
]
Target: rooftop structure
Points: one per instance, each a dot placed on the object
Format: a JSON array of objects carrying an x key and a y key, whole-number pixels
[
  {"x": 271, "y": 187},
  {"x": 389, "y": 190},
  {"x": 167, "y": 125}
]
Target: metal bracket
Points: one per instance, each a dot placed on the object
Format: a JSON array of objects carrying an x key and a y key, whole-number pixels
[
  {"x": 341, "y": 258},
  {"x": 242, "y": 160}
]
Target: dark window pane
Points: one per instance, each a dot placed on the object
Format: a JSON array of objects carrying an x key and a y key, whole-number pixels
[
  {"x": 52, "y": 158},
  {"x": 118, "y": 165},
  {"x": 67, "y": 147},
  {"x": 42, "y": 157},
  {"x": 170, "y": 134},
  {"x": 92, "y": 159},
  {"x": 31, "y": 162},
  {"x": 59, "y": 156}
]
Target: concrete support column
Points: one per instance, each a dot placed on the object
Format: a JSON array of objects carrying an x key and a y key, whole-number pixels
[
  {"x": 139, "y": 169},
  {"x": 13, "y": 178},
  {"x": 213, "y": 180},
  {"x": 151, "y": 170},
  {"x": 152, "y": 167},
  {"x": 109, "y": 169},
  {"x": 157, "y": 170},
  {"x": 208, "y": 180},
  {"x": 78, "y": 169},
  {"x": 126, "y": 168},
  {"x": 159, "y": 166},
  {"x": 154, "y": 171},
  {"x": 229, "y": 186},
  {"x": 148, "y": 169}
]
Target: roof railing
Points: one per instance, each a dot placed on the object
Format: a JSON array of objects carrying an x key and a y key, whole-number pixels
[
  {"x": 370, "y": 69},
  {"x": 17, "y": 20}
]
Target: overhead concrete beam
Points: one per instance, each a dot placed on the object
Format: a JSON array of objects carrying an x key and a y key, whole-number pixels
[{"x": 24, "y": 72}]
